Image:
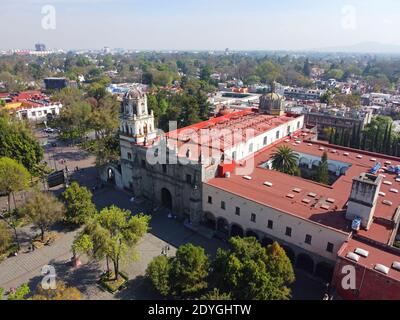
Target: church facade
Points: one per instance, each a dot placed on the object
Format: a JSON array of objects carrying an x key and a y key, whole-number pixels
[{"x": 175, "y": 179}]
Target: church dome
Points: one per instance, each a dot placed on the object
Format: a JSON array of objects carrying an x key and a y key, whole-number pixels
[
  {"x": 273, "y": 96},
  {"x": 135, "y": 93}
]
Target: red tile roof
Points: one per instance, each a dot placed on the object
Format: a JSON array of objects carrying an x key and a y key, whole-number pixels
[
  {"x": 377, "y": 255},
  {"x": 316, "y": 210}
]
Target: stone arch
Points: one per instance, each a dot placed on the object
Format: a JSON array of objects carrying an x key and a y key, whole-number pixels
[
  {"x": 290, "y": 254},
  {"x": 237, "y": 231},
  {"x": 209, "y": 221},
  {"x": 251, "y": 233},
  {"x": 332, "y": 167},
  {"x": 324, "y": 270},
  {"x": 343, "y": 170},
  {"x": 305, "y": 263},
  {"x": 223, "y": 226},
  {"x": 304, "y": 162},
  {"x": 110, "y": 175},
  {"x": 166, "y": 198},
  {"x": 316, "y": 163}
]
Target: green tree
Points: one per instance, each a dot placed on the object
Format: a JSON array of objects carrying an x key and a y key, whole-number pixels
[
  {"x": 189, "y": 271},
  {"x": 43, "y": 210},
  {"x": 326, "y": 98},
  {"x": 20, "y": 293},
  {"x": 216, "y": 295},
  {"x": 17, "y": 142},
  {"x": 74, "y": 120},
  {"x": 13, "y": 178},
  {"x": 5, "y": 237},
  {"x": 113, "y": 234},
  {"x": 307, "y": 68},
  {"x": 158, "y": 271},
  {"x": 78, "y": 203},
  {"x": 62, "y": 292},
  {"x": 284, "y": 159},
  {"x": 250, "y": 272},
  {"x": 322, "y": 171}
]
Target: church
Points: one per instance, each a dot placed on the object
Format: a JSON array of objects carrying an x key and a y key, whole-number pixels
[
  {"x": 175, "y": 182},
  {"x": 216, "y": 176}
]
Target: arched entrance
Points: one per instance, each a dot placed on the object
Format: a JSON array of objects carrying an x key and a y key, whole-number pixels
[
  {"x": 251, "y": 233},
  {"x": 237, "y": 231},
  {"x": 290, "y": 254},
  {"x": 305, "y": 262},
  {"x": 266, "y": 242},
  {"x": 209, "y": 221},
  {"x": 223, "y": 226},
  {"x": 110, "y": 176},
  {"x": 324, "y": 271},
  {"x": 166, "y": 198}
]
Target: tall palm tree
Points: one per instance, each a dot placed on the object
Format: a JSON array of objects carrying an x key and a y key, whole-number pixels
[{"x": 284, "y": 159}]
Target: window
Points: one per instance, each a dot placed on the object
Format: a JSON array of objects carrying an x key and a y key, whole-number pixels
[
  {"x": 237, "y": 211},
  {"x": 329, "y": 247},
  {"x": 234, "y": 155},
  {"x": 223, "y": 206},
  {"x": 288, "y": 232},
  {"x": 288, "y": 129},
  {"x": 253, "y": 217},
  {"x": 298, "y": 125},
  {"x": 129, "y": 156},
  {"x": 308, "y": 239},
  {"x": 188, "y": 178},
  {"x": 33, "y": 113},
  {"x": 251, "y": 146},
  {"x": 265, "y": 141},
  {"x": 278, "y": 135},
  {"x": 164, "y": 168},
  {"x": 270, "y": 224},
  {"x": 210, "y": 200}
]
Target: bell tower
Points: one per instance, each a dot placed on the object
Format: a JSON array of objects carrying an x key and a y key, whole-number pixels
[{"x": 136, "y": 122}]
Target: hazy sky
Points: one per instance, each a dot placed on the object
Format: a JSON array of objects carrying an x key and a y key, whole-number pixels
[{"x": 200, "y": 24}]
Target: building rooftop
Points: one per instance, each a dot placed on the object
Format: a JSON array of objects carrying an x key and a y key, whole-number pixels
[
  {"x": 377, "y": 255},
  {"x": 236, "y": 122},
  {"x": 25, "y": 100},
  {"x": 323, "y": 204}
]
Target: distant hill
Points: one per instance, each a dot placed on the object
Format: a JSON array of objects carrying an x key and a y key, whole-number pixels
[{"x": 363, "y": 47}]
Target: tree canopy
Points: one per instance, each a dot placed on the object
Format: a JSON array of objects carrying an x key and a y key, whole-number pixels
[
  {"x": 18, "y": 143},
  {"x": 251, "y": 272},
  {"x": 284, "y": 159},
  {"x": 112, "y": 234},
  {"x": 78, "y": 203},
  {"x": 43, "y": 210}
]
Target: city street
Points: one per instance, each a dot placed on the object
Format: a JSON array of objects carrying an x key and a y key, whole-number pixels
[{"x": 26, "y": 267}]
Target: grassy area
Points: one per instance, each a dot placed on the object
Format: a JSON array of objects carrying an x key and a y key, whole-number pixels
[
  {"x": 49, "y": 238},
  {"x": 10, "y": 251},
  {"x": 108, "y": 282}
]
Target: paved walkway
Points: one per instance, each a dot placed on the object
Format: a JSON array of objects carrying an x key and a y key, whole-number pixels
[{"x": 26, "y": 267}]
